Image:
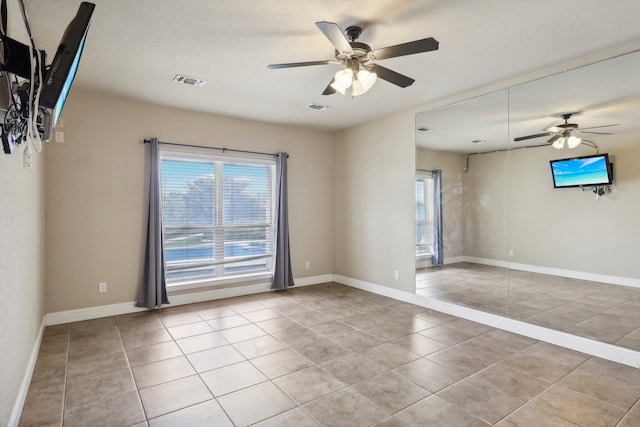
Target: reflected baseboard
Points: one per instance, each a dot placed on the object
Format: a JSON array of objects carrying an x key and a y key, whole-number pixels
[
  {"x": 426, "y": 262},
  {"x": 563, "y": 339},
  {"x": 585, "y": 345},
  {"x": 571, "y": 274}
]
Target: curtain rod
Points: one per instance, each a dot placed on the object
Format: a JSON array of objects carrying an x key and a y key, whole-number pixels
[{"x": 147, "y": 141}]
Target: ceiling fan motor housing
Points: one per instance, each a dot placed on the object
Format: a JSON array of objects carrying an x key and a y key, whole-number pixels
[
  {"x": 566, "y": 125},
  {"x": 360, "y": 51},
  {"x": 353, "y": 32}
]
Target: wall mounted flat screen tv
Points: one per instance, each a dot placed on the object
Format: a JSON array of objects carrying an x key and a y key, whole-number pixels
[
  {"x": 63, "y": 69},
  {"x": 585, "y": 171}
]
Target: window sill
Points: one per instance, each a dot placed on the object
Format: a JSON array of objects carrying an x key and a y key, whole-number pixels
[{"x": 213, "y": 283}]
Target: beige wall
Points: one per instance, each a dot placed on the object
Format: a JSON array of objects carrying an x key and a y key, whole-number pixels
[
  {"x": 95, "y": 191},
  {"x": 21, "y": 258},
  {"x": 374, "y": 202},
  {"x": 486, "y": 207},
  {"x": 452, "y": 167},
  {"x": 21, "y": 270}
]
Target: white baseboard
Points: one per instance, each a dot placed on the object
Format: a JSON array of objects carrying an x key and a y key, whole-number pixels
[
  {"x": 89, "y": 313},
  {"x": 16, "y": 413},
  {"x": 563, "y": 339},
  {"x": 453, "y": 260},
  {"x": 426, "y": 262},
  {"x": 237, "y": 291},
  {"x": 585, "y": 345},
  {"x": 314, "y": 280},
  {"x": 486, "y": 261},
  {"x": 571, "y": 274}
]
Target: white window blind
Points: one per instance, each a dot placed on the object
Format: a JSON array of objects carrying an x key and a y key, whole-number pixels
[{"x": 217, "y": 216}]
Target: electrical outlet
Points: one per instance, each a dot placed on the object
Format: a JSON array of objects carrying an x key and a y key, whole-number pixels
[
  {"x": 28, "y": 156},
  {"x": 307, "y": 265},
  {"x": 397, "y": 275},
  {"x": 59, "y": 136},
  {"x": 510, "y": 252},
  {"x": 102, "y": 287}
]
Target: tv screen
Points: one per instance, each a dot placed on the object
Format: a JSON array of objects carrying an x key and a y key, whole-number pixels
[
  {"x": 582, "y": 171},
  {"x": 62, "y": 71}
]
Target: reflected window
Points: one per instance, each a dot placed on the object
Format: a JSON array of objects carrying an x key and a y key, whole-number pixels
[{"x": 424, "y": 214}]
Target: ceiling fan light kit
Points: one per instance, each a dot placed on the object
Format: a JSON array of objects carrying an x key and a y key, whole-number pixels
[
  {"x": 360, "y": 73},
  {"x": 359, "y": 82},
  {"x": 570, "y": 140},
  {"x": 573, "y": 141}
]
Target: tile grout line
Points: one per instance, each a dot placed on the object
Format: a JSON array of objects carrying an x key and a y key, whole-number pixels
[
  {"x": 66, "y": 375},
  {"x": 314, "y": 303},
  {"x": 133, "y": 378},
  {"x": 213, "y": 396}
]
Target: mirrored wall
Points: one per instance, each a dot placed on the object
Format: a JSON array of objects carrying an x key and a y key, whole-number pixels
[{"x": 514, "y": 244}]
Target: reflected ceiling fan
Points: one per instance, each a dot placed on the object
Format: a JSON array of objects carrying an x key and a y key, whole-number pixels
[
  {"x": 566, "y": 133},
  {"x": 360, "y": 72}
]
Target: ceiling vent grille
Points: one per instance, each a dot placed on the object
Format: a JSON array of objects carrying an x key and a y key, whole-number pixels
[
  {"x": 191, "y": 81},
  {"x": 317, "y": 107}
]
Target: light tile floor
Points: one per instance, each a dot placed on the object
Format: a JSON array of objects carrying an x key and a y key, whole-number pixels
[
  {"x": 600, "y": 311},
  {"x": 319, "y": 355}
]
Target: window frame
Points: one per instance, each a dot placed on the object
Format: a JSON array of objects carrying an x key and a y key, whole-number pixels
[
  {"x": 219, "y": 228},
  {"x": 427, "y": 178}
]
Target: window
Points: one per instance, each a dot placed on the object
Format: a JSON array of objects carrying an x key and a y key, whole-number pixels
[
  {"x": 217, "y": 216},
  {"x": 424, "y": 214}
]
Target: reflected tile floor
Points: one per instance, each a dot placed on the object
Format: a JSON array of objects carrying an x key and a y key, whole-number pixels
[
  {"x": 600, "y": 311},
  {"x": 322, "y": 355}
]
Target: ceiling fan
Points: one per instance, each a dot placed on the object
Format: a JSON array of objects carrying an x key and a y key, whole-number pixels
[
  {"x": 360, "y": 72},
  {"x": 565, "y": 133}
]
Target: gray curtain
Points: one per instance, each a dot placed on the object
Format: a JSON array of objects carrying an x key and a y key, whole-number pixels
[
  {"x": 438, "y": 253},
  {"x": 282, "y": 275},
  {"x": 153, "y": 291}
]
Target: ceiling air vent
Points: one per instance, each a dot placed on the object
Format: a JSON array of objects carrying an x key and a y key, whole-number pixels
[
  {"x": 318, "y": 107},
  {"x": 191, "y": 81}
]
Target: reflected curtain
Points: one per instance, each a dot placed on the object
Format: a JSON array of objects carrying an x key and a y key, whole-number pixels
[
  {"x": 438, "y": 253},
  {"x": 282, "y": 274},
  {"x": 153, "y": 290}
]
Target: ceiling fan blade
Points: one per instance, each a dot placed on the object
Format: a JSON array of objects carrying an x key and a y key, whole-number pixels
[
  {"x": 538, "y": 135},
  {"x": 298, "y": 64},
  {"x": 329, "y": 90},
  {"x": 335, "y": 36},
  {"x": 391, "y": 76},
  {"x": 596, "y": 127},
  {"x": 553, "y": 139},
  {"x": 410, "y": 48},
  {"x": 597, "y": 133}
]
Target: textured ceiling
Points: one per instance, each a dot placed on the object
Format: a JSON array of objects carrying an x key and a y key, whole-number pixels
[{"x": 135, "y": 48}]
